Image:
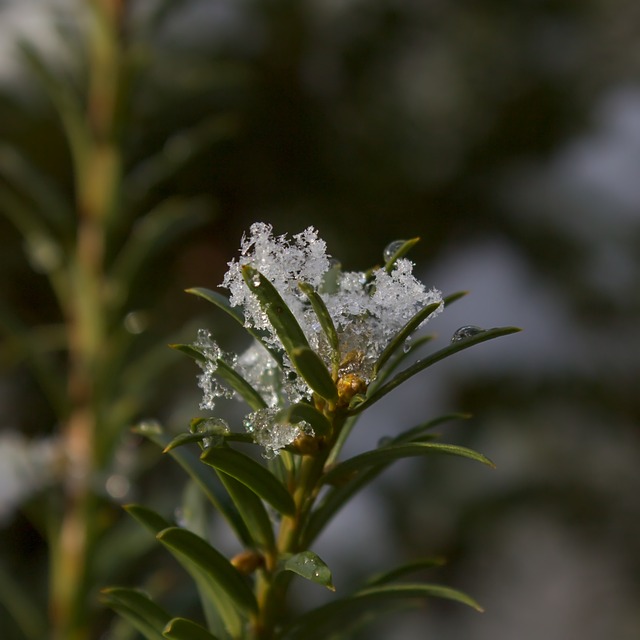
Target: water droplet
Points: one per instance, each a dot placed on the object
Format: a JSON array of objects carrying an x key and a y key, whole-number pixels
[
  {"x": 180, "y": 517},
  {"x": 43, "y": 254},
  {"x": 117, "y": 486},
  {"x": 466, "y": 332},
  {"x": 215, "y": 428},
  {"x": 135, "y": 322},
  {"x": 391, "y": 248},
  {"x": 256, "y": 280},
  {"x": 316, "y": 574},
  {"x": 384, "y": 441},
  {"x": 149, "y": 426},
  {"x": 406, "y": 347}
]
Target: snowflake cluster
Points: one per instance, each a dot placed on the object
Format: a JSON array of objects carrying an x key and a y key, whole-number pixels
[
  {"x": 207, "y": 380},
  {"x": 367, "y": 309},
  {"x": 270, "y": 433},
  {"x": 283, "y": 263}
]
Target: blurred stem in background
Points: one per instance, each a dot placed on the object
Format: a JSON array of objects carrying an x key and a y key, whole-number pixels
[
  {"x": 97, "y": 167},
  {"x": 96, "y": 243}
]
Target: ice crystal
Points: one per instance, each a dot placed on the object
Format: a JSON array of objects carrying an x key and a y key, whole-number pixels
[
  {"x": 368, "y": 317},
  {"x": 367, "y": 312},
  {"x": 283, "y": 263},
  {"x": 260, "y": 370},
  {"x": 367, "y": 309},
  {"x": 207, "y": 380},
  {"x": 271, "y": 433}
]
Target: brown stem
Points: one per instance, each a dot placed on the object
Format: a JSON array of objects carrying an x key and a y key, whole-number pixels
[
  {"x": 84, "y": 308},
  {"x": 272, "y": 592}
]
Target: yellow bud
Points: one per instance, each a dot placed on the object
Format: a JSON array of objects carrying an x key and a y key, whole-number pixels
[
  {"x": 348, "y": 386},
  {"x": 246, "y": 562},
  {"x": 306, "y": 445}
]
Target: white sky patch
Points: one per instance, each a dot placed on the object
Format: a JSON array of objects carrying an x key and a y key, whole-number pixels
[
  {"x": 25, "y": 468},
  {"x": 591, "y": 185},
  {"x": 34, "y": 22},
  {"x": 503, "y": 291}
]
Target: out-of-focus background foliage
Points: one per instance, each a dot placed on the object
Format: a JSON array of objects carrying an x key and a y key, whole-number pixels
[{"x": 505, "y": 134}]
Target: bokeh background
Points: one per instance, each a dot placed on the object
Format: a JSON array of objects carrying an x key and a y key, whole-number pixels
[{"x": 507, "y": 136}]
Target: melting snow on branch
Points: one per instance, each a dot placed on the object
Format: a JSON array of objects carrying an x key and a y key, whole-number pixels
[{"x": 367, "y": 311}]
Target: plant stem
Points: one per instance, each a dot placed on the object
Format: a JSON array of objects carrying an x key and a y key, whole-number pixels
[
  {"x": 85, "y": 306},
  {"x": 272, "y": 590}
]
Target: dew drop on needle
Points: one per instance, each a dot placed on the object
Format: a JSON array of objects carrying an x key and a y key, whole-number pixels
[
  {"x": 391, "y": 248},
  {"x": 466, "y": 332}
]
